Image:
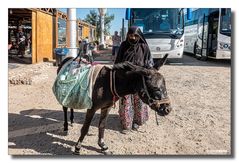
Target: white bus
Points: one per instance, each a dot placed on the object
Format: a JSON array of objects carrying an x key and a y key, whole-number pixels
[
  {"x": 208, "y": 33},
  {"x": 163, "y": 29}
]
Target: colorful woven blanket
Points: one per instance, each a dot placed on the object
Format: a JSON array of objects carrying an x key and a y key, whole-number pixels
[{"x": 74, "y": 85}]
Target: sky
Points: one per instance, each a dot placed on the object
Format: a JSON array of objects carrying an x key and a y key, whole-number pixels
[{"x": 116, "y": 24}]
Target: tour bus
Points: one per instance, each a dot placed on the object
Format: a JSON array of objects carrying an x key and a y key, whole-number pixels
[
  {"x": 163, "y": 29},
  {"x": 208, "y": 33}
]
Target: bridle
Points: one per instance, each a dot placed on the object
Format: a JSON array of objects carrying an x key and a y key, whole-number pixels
[{"x": 152, "y": 101}]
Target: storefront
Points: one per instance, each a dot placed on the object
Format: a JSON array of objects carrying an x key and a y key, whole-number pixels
[
  {"x": 36, "y": 26},
  {"x": 43, "y": 29},
  {"x": 84, "y": 30},
  {"x": 20, "y": 22}
]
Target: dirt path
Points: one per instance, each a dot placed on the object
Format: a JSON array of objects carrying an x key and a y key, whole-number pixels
[{"x": 200, "y": 122}]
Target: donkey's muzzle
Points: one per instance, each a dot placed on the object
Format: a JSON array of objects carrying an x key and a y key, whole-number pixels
[{"x": 164, "y": 109}]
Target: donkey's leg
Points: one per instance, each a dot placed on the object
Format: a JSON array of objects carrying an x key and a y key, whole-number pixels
[
  {"x": 72, "y": 116},
  {"x": 103, "y": 118},
  {"x": 65, "y": 119},
  {"x": 85, "y": 128}
]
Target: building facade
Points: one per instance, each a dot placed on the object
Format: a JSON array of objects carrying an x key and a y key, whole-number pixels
[{"x": 44, "y": 29}]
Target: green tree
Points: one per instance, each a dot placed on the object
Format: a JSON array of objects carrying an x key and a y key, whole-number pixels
[
  {"x": 108, "y": 19},
  {"x": 94, "y": 18}
]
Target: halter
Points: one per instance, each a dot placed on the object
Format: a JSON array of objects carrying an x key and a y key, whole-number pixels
[
  {"x": 157, "y": 102},
  {"x": 151, "y": 100}
]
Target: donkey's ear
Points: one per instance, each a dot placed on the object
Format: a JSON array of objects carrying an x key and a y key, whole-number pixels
[{"x": 161, "y": 62}]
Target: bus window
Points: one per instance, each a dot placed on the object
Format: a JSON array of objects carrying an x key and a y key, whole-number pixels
[
  {"x": 225, "y": 25},
  {"x": 158, "y": 20}
]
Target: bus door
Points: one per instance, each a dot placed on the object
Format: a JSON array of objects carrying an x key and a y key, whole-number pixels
[
  {"x": 202, "y": 31},
  {"x": 213, "y": 20}
]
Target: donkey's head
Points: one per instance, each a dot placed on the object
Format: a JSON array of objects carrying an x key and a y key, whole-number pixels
[{"x": 151, "y": 87}]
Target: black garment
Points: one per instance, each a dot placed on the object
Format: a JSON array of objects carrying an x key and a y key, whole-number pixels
[
  {"x": 132, "y": 109},
  {"x": 138, "y": 53}
]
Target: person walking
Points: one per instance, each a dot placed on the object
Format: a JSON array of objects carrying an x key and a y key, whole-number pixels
[
  {"x": 116, "y": 44},
  {"x": 132, "y": 111}
]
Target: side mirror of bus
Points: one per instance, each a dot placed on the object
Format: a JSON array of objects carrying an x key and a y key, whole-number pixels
[
  {"x": 127, "y": 14},
  {"x": 189, "y": 13}
]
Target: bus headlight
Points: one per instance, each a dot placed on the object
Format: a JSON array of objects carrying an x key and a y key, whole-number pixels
[
  {"x": 158, "y": 48},
  {"x": 223, "y": 45},
  {"x": 180, "y": 43}
]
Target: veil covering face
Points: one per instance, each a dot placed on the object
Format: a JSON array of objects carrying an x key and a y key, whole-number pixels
[
  {"x": 136, "y": 31},
  {"x": 135, "y": 51}
]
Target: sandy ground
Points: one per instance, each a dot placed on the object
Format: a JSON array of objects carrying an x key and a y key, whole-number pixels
[{"x": 200, "y": 123}]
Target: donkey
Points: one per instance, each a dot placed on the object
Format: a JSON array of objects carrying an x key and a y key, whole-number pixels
[{"x": 123, "y": 79}]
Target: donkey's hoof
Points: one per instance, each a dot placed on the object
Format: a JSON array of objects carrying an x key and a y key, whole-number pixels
[
  {"x": 77, "y": 151},
  {"x": 65, "y": 133},
  {"x": 65, "y": 127},
  {"x": 103, "y": 146}
]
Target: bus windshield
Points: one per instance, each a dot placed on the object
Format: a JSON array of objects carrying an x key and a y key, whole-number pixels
[
  {"x": 225, "y": 25},
  {"x": 159, "y": 21}
]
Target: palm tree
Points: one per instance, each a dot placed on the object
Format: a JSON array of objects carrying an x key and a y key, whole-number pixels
[{"x": 94, "y": 18}]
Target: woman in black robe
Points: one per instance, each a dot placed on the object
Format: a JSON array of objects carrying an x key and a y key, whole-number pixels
[{"x": 132, "y": 111}]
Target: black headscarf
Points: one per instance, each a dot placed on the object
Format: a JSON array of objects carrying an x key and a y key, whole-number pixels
[{"x": 136, "y": 52}]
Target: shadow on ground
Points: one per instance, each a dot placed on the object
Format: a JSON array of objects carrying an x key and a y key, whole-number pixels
[{"x": 41, "y": 130}]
